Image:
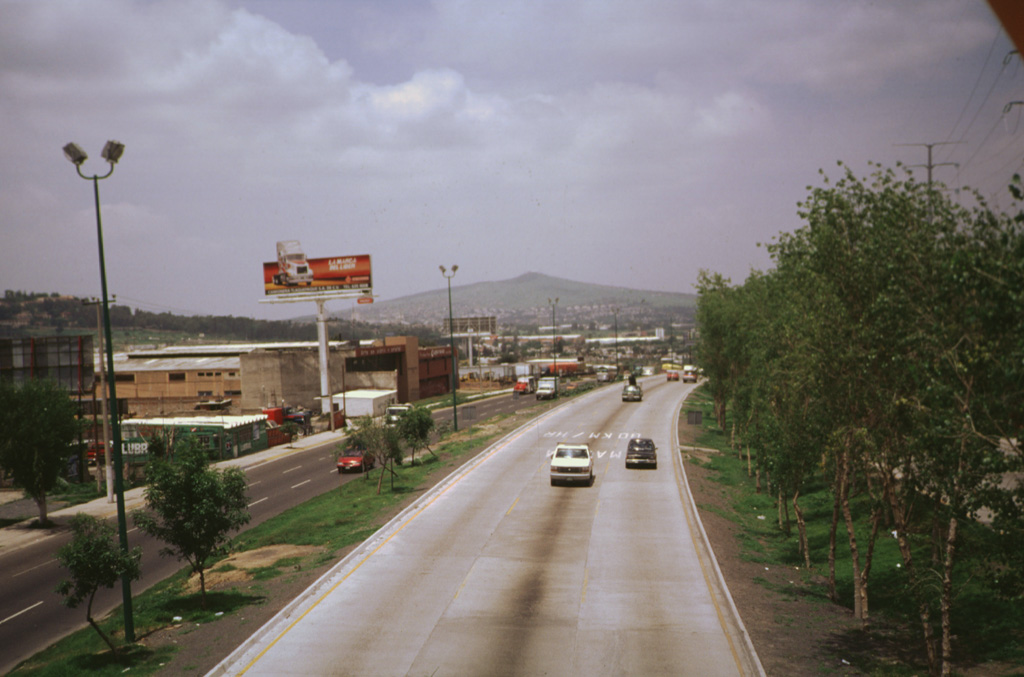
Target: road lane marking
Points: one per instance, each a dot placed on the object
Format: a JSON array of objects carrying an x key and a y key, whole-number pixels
[
  {"x": 296, "y": 486},
  {"x": 586, "y": 579},
  {"x": 20, "y": 612},
  {"x": 259, "y": 501},
  {"x": 49, "y": 561},
  {"x": 285, "y": 472},
  {"x": 509, "y": 511}
]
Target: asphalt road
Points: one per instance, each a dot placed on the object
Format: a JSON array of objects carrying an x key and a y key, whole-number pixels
[
  {"x": 496, "y": 572},
  {"x": 31, "y": 614}
]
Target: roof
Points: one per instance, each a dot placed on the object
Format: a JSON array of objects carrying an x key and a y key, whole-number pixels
[
  {"x": 366, "y": 394},
  {"x": 225, "y": 363},
  {"x": 224, "y": 421}
]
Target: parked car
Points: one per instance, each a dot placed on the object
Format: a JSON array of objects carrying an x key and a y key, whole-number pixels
[
  {"x": 355, "y": 460},
  {"x": 641, "y": 452},
  {"x": 572, "y": 463},
  {"x": 632, "y": 393}
]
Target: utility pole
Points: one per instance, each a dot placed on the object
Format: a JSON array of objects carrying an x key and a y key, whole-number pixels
[
  {"x": 930, "y": 164},
  {"x": 107, "y": 467}
]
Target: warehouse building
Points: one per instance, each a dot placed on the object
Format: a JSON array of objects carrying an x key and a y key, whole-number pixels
[{"x": 247, "y": 378}]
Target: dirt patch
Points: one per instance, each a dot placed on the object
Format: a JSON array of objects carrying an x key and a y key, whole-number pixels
[{"x": 238, "y": 568}]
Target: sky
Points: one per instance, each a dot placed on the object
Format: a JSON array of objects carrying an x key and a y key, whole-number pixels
[{"x": 622, "y": 142}]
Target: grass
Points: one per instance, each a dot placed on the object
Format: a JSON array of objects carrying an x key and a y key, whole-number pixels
[
  {"x": 987, "y": 628},
  {"x": 331, "y": 521},
  {"x": 64, "y": 495}
]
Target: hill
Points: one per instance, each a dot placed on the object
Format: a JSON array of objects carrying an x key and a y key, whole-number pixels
[{"x": 524, "y": 300}]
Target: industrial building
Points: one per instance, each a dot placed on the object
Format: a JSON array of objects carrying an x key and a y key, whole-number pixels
[{"x": 247, "y": 378}]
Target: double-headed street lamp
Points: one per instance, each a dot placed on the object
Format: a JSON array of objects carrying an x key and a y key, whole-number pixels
[
  {"x": 554, "y": 350},
  {"x": 451, "y": 336},
  {"x": 112, "y": 152}
]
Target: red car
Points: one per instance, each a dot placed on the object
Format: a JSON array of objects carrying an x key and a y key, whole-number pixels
[
  {"x": 673, "y": 375},
  {"x": 355, "y": 460}
]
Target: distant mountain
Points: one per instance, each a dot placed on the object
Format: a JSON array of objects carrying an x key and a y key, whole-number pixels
[{"x": 526, "y": 296}]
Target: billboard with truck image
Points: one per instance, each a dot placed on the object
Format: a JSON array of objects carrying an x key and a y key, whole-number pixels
[{"x": 294, "y": 273}]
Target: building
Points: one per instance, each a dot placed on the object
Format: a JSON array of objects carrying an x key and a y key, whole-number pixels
[
  {"x": 247, "y": 378},
  {"x": 68, "y": 360}
]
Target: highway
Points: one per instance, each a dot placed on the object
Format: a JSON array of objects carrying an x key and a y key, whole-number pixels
[
  {"x": 31, "y": 614},
  {"x": 496, "y": 572}
]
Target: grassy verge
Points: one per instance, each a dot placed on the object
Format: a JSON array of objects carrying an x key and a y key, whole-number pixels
[
  {"x": 330, "y": 522},
  {"x": 988, "y": 630}
]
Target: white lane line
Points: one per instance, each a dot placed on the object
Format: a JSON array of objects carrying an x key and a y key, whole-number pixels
[
  {"x": 20, "y": 612},
  {"x": 291, "y": 469},
  {"x": 49, "y": 561},
  {"x": 259, "y": 501},
  {"x": 296, "y": 486}
]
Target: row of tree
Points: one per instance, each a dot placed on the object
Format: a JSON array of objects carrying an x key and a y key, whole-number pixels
[{"x": 884, "y": 353}]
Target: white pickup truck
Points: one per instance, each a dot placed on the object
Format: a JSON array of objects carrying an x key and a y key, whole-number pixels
[{"x": 572, "y": 463}]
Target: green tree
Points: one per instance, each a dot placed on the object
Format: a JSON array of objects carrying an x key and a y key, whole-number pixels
[
  {"x": 192, "y": 507},
  {"x": 381, "y": 441},
  {"x": 415, "y": 427},
  {"x": 94, "y": 559},
  {"x": 39, "y": 425}
]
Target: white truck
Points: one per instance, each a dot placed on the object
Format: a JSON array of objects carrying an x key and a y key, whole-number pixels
[
  {"x": 547, "y": 388},
  {"x": 395, "y": 412},
  {"x": 292, "y": 267},
  {"x": 572, "y": 463}
]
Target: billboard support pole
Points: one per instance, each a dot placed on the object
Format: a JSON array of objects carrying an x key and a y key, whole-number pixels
[{"x": 326, "y": 401}]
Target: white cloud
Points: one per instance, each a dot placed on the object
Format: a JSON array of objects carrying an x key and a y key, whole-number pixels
[{"x": 575, "y": 138}]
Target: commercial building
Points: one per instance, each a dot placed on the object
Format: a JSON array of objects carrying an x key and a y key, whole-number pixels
[{"x": 247, "y": 378}]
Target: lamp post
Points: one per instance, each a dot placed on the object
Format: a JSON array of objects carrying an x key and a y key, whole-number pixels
[
  {"x": 554, "y": 350},
  {"x": 451, "y": 336},
  {"x": 112, "y": 152},
  {"x": 615, "y": 311}
]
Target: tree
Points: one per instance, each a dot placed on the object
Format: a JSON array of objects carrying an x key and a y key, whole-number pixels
[
  {"x": 38, "y": 422},
  {"x": 381, "y": 441},
  {"x": 415, "y": 427},
  {"x": 93, "y": 558},
  {"x": 192, "y": 507}
]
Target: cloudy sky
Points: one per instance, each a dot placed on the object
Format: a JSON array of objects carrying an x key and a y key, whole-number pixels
[{"x": 622, "y": 142}]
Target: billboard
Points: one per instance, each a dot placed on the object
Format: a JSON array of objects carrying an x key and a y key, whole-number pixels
[
  {"x": 293, "y": 273},
  {"x": 478, "y": 325}
]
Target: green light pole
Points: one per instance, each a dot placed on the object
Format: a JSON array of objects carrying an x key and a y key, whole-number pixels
[
  {"x": 112, "y": 152},
  {"x": 451, "y": 336},
  {"x": 615, "y": 311},
  {"x": 554, "y": 349}
]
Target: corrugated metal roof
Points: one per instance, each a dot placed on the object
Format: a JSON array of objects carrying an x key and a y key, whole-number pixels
[
  {"x": 226, "y": 421},
  {"x": 181, "y": 364}
]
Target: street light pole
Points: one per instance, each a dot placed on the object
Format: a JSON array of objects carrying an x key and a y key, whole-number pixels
[
  {"x": 615, "y": 311},
  {"x": 451, "y": 336},
  {"x": 112, "y": 152},
  {"x": 554, "y": 351}
]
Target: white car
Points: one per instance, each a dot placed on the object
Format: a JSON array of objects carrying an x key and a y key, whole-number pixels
[{"x": 572, "y": 463}]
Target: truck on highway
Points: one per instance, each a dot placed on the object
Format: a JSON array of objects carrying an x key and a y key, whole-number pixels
[
  {"x": 547, "y": 388},
  {"x": 525, "y": 385},
  {"x": 292, "y": 267}
]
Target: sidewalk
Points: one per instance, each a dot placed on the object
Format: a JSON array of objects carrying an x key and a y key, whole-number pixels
[{"x": 20, "y": 535}]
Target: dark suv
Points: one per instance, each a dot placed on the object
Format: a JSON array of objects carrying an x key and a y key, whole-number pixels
[{"x": 641, "y": 452}]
